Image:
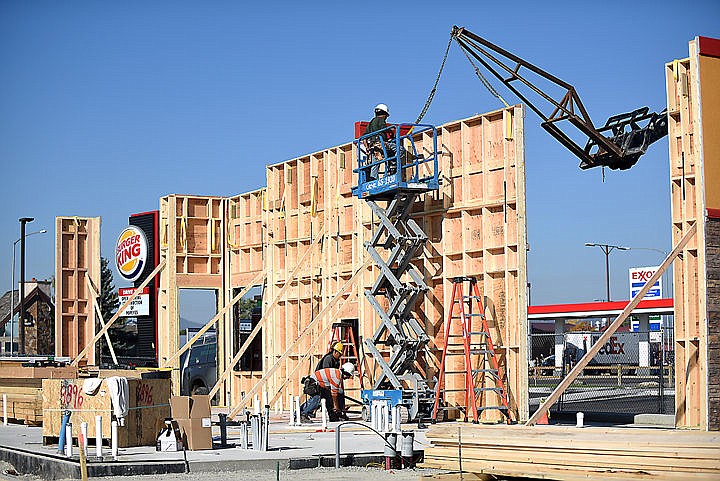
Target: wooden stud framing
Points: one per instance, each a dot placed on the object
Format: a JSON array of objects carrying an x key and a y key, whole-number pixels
[
  {"x": 77, "y": 261},
  {"x": 693, "y": 116},
  {"x": 476, "y": 224},
  {"x": 262, "y": 322},
  {"x": 194, "y": 243}
]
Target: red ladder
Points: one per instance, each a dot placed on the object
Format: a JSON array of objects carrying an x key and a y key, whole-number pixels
[
  {"x": 474, "y": 343},
  {"x": 343, "y": 332}
]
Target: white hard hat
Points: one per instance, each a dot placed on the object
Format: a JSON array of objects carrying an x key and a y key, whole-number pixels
[
  {"x": 383, "y": 108},
  {"x": 348, "y": 368}
]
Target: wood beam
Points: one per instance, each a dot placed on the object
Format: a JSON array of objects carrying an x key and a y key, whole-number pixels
[{"x": 95, "y": 295}]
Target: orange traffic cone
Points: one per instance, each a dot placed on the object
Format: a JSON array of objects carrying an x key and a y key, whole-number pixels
[{"x": 543, "y": 419}]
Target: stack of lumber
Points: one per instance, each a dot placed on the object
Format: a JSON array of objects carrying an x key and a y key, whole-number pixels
[
  {"x": 22, "y": 387},
  {"x": 570, "y": 453},
  {"x": 24, "y": 400}
]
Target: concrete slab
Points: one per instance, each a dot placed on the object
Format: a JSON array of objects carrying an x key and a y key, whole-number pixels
[
  {"x": 664, "y": 420},
  {"x": 290, "y": 447}
]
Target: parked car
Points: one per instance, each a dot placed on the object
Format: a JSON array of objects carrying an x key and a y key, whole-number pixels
[{"x": 198, "y": 369}]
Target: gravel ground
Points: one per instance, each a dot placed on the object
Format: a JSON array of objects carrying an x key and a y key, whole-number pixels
[{"x": 324, "y": 474}]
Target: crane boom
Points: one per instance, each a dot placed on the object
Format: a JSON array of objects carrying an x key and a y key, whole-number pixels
[{"x": 617, "y": 145}]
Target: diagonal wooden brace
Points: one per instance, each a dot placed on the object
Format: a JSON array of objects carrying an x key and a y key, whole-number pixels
[{"x": 565, "y": 383}]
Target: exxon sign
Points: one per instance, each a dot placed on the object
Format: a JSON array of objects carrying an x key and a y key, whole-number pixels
[{"x": 639, "y": 277}]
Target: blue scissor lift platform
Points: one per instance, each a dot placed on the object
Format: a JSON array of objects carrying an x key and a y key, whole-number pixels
[{"x": 392, "y": 173}]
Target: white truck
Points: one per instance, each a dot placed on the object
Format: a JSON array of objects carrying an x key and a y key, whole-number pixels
[{"x": 621, "y": 348}]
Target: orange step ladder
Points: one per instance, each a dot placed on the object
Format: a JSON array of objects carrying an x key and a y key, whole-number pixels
[
  {"x": 475, "y": 345},
  {"x": 343, "y": 332}
]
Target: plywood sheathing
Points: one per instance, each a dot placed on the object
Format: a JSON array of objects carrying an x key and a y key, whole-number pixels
[
  {"x": 148, "y": 406},
  {"x": 77, "y": 261},
  {"x": 708, "y": 59},
  {"x": 476, "y": 225},
  {"x": 692, "y": 121}
]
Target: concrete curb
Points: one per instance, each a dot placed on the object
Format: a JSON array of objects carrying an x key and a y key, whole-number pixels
[
  {"x": 52, "y": 467},
  {"x": 284, "y": 464},
  {"x": 26, "y": 462},
  {"x": 664, "y": 420}
]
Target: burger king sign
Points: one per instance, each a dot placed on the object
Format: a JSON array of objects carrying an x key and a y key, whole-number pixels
[{"x": 131, "y": 253}]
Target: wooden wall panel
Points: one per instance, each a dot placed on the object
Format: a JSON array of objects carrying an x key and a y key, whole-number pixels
[
  {"x": 692, "y": 122},
  {"x": 245, "y": 236},
  {"x": 707, "y": 52},
  {"x": 475, "y": 224},
  {"x": 77, "y": 261},
  {"x": 709, "y": 79},
  {"x": 194, "y": 242}
]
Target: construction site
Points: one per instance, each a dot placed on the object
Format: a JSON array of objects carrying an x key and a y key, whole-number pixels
[{"x": 403, "y": 249}]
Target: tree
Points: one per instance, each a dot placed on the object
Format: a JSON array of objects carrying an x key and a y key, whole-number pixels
[
  {"x": 245, "y": 308},
  {"x": 582, "y": 326},
  {"x": 109, "y": 301}
]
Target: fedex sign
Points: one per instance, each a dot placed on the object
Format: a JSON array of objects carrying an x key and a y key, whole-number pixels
[{"x": 639, "y": 277}]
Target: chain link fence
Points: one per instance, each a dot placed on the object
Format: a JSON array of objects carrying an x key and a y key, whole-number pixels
[{"x": 632, "y": 374}]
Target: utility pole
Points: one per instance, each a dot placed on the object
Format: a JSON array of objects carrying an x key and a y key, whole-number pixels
[
  {"x": 21, "y": 322},
  {"x": 607, "y": 249}
]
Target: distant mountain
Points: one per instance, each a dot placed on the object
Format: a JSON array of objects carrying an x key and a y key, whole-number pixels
[{"x": 185, "y": 323}]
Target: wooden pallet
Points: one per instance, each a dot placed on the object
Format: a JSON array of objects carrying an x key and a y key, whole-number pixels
[{"x": 569, "y": 453}]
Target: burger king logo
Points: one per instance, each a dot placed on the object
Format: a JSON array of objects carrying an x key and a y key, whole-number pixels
[{"x": 131, "y": 253}]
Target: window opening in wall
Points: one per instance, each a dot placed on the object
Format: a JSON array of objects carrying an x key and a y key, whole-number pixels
[
  {"x": 247, "y": 313},
  {"x": 198, "y": 365}
]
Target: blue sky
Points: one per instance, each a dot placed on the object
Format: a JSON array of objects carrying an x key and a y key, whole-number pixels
[{"x": 108, "y": 106}]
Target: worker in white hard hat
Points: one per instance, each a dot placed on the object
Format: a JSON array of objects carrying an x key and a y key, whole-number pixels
[
  {"x": 332, "y": 358},
  {"x": 382, "y": 143},
  {"x": 329, "y": 386}
]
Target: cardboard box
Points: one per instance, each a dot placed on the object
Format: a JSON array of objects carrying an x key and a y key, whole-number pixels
[
  {"x": 190, "y": 407},
  {"x": 200, "y": 406},
  {"x": 192, "y": 415},
  {"x": 196, "y": 433},
  {"x": 180, "y": 407}
]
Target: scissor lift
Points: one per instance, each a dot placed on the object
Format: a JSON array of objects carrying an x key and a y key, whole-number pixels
[{"x": 396, "y": 177}]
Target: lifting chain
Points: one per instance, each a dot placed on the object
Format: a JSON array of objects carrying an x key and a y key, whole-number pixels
[
  {"x": 483, "y": 80},
  {"x": 479, "y": 74},
  {"x": 437, "y": 79}
]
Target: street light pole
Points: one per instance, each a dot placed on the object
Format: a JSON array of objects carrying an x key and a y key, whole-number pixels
[
  {"x": 21, "y": 321},
  {"x": 12, "y": 290},
  {"x": 607, "y": 249}
]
